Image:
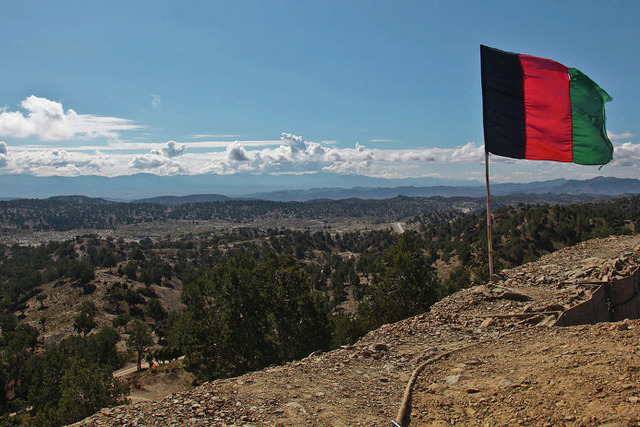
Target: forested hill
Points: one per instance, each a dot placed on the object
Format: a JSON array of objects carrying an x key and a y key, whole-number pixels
[
  {"x": 77, "y": 212},
  {"x": 240, "y": 299}
]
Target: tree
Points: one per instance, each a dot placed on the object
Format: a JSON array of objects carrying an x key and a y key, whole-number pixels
[
  {"x": 245, "y": 315},
  {"x": 114, "y": 295},
  {"x": 82, "y": 272},
  {"x": 140, "y": 340},
  {"x": 296, "y": 314},
  {"x": 121, "y": 320},
  {"x": 42, "y": 321},
  {"x": 154, "y": 310},
  {"x": 86, "y": 387},
  {"x": 132, "y": 298},
  {"x": 41, "y": 297},
  {"x": 84, "y": 321},
  {"x": 406, "y": 287}
]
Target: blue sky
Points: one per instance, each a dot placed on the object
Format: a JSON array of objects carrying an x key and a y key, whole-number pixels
[{"x": 376, "y": 88}]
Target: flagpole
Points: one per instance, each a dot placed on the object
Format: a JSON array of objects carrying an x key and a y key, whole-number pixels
[{"x": 489, "y": 243}]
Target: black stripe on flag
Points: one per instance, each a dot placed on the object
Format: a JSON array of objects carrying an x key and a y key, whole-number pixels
[{"x": 502, "y": 103}]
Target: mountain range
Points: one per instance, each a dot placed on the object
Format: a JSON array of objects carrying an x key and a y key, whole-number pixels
[
  {"x": 600, "y": 186},
  {"x": 200, "y": 188}
]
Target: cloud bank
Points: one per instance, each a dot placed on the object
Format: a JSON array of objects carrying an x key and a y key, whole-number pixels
[
  {"x": 293, "y": 155},
  {"x": 48, "y": 121}
]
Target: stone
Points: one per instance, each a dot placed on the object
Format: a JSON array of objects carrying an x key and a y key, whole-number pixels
[
  {"x": 455, "y": 379},
  {"x": 381, "y": 347}
]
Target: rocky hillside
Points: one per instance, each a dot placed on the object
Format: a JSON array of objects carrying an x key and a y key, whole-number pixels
[{"x": 492, "y": 360}]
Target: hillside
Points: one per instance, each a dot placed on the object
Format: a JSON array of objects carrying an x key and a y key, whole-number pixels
[
  {"x": 62, "y": 214},
  {"x": 244, "y": 299},
  {"x": 493, "y": 360}
]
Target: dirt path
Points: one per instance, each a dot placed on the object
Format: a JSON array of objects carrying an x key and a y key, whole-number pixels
[{"x": 128, "y": 370}]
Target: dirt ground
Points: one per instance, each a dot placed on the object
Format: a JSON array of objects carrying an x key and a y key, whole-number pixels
[
  {"x": 576, "y": 376},
  {"x": 156, "y": 383},
  {"x": 582, "y": 376}
]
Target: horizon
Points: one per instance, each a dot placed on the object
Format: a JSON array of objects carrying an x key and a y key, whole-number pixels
[
  {"x": 141, "y": 187},
  {"x": 305, "y": 92}
]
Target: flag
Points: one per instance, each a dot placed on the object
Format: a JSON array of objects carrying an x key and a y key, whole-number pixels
[{"x": 535, "y": 108}]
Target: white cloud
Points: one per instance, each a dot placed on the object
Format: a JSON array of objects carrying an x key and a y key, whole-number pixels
[
  {"x": 235, "y": 152},
  {"x": 468, "y": 153},
  {"x": 161, "y": 160},
  {"x": 57, "y": 162},
  {"x": 124, "y": 145},
  {"x": 170, "y": 149},
  {"x": 626, "y": 154},
  {"x": 148, "y": 161},
  {"x": 619, "y": 137},
  {"x": 294, "y": 156},
  {"x": 296, "y": 143},
  {"x": 211, "y": 135},
  {"x": 159, "y": 165},
  {"x": 48, "y": 121},
  {"x": 155, "y": 101}
]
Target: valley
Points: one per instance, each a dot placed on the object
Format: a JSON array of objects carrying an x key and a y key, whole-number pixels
[{"x": 234, "y": 288}]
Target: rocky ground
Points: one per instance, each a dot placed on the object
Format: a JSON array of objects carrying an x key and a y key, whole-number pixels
[
  {"x": 504, "y": 365},
  {"x": 585, "y": 375}
]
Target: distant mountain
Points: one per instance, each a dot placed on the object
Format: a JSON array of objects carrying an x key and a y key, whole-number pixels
[
  {"x": 179, "y": 200},
  {"x": 140, "y": 186},
  {"x": 369, "y": 193},
  {"x": 601, "y": 186},
  {"x": 172, "y": 190}
]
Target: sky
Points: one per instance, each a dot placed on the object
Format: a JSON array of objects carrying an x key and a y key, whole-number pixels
[{"x": 374, "y": 88}]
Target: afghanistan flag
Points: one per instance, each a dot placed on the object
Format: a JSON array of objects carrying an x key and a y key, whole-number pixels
[{"x": 536, "y": 108}]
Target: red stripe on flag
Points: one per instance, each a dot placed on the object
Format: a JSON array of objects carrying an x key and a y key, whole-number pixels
[{"x": 547, "y": 110}]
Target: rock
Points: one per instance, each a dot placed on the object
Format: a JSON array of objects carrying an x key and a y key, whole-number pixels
[
  {"x": 622, "y": 326},
  {"x": 295, "y": 406},
  {"x": 506, "y": 382},
  {"x": 486, "y": 323},
  {"x": 381, "y": 347},
  {"x": 455, "y": 379}
]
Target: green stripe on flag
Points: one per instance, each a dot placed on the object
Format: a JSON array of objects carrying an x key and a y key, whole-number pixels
[{"x": 591, "y": 145}]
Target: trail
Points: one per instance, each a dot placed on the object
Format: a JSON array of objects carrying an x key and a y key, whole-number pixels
[
  {"x": 128, "y": 370},
  {"x": 132, "y": 368}
]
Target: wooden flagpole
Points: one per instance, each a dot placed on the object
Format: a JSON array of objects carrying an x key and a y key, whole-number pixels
[{"x": 489, "y": 241}]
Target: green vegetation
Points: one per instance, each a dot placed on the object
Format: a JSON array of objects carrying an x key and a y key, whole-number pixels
[
  {"x": 76, "y": 212},
  {"x": 60, "y": 383},
  {"x": 250, "y": 298}
]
